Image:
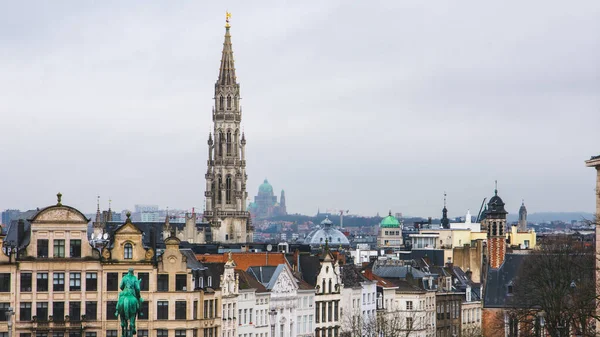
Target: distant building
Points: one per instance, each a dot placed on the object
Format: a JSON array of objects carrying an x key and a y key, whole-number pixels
[
  {"x": 265, "y": 203},
  {"x": 10, "y": 214},
  {"x": 522, "y": 218},
  {"x": 326, "y": 233},
  {"x": 390, "y": 233}
]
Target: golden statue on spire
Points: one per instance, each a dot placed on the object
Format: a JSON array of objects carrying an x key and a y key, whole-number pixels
[{"x": 227, "y": 17}]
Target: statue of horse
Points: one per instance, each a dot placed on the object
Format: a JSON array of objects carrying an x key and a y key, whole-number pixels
[{"x": 129, "y": 304}]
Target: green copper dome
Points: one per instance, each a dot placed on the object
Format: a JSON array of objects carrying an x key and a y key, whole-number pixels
[
  {"x": 390, "y": 222},
  {"x": 265, "y": 188}
]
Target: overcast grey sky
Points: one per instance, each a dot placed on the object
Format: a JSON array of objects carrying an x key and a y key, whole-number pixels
[{"x": 361, "y": 105}]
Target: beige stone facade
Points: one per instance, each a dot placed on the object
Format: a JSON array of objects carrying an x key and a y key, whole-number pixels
[{"x": 60, "y": 286}]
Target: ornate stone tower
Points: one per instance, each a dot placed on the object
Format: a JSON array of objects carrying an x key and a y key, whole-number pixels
[
  {"x": 495, "y": 222},
  {"x": 282, "y": 207},
  {"x": 522, "y": 218},
  {"x": 226, "y": 174},
  {"x": 445, "y": 221}
]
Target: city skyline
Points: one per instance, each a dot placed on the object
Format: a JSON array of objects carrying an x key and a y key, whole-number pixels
[{"x": 124, "y": 110}]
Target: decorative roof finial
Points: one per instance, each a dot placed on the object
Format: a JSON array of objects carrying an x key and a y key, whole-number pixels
[
  {"x": 98, "y": 216},
  {"x": 444, "y": 199},
  {"x": 59, "y": 198},
  {"x": 128, "y": 215},
  {"x": 390, "y": 214},
  {"x": 229, "y": 257},
  {"x": 496, "y": 188},
  {"x": 227, "y": 17}
]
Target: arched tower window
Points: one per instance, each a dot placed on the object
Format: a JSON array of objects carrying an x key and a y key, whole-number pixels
[
  {"x": 219, "y": 196},
  {"x": 229, "y": 143},
  {"x": 214, "y": 192},
  {"x": 220, "y": 145},
  {"x": 323, "y": 286},
  {"x": 128, "y": 251},
  {"x": 330, "y": 288},
  {"x": 228, "y": 102},
  {"x": 494, "y": 228},
  {"x": 228, "y": 189},
  {"x": 235, "y": 102},
  {"x": 500, "y": 228},
  {"x": 221, "y": 102}
]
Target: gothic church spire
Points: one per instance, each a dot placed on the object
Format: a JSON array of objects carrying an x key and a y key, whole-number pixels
[{"x": 227, "y": 69}]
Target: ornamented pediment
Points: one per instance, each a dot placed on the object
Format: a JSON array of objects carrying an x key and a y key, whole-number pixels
[
  {"x": 128, "y": 228},
  {"x": 284, "y": 284},
  {"x": 60, "y": 214}
]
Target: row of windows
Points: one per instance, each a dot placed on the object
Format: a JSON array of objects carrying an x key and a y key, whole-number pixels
[
  {"x": 304, "y": 324},
  {"x": 59, "y": 311},
  {"x": 91, "y": 281},
  {"x": 59, "y": 248},
  {"x": 327, "y": 311},
  {"x": 115, "y": 333}
]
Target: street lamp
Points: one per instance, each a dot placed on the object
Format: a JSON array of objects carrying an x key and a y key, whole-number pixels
[
  {"x": 272, "y": 316},
  {"x": 9, "y": 314},
  {"x": 541, "y": 314}
]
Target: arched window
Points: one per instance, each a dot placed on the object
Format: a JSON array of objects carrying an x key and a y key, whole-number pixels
[
  {"x": 219, "y": 195},
  {"x": 209, "y": 281},
  {"x": 228, "y": 189},
  {"x": 500, "y": 229},
  {"x": 228, "y": 102},
  {"x": 201, "y": 282},
  {"x": 221, "y": 102},
  {"x": 494, "y": 228},
  {"x": 221, "y": 143},
  {"x": 229, "y": 143},
  {"x": 226, "y": 237},
  {"x": 323, "y": 286},
  {"x": 128, "y": 251},
  {"x": 330, "y": 288}
]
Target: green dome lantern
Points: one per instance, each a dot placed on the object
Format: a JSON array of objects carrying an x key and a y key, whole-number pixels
[{"x": 390, "y": 222}]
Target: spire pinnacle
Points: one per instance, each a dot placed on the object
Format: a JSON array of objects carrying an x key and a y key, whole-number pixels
[
  {"x": 444, "y": 199},
  {"x": 227, "y": 17},
  {"x": 227, "y": 69},
  {"x": 496, "y": 188}
]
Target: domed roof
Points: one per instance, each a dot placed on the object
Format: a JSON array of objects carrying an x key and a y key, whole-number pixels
[
  {"x": 326, "y": 232},
  {"x": 265, "y": 188},
  {"x": 390, "y": 222},
  {"x": 496, "y": 205}
]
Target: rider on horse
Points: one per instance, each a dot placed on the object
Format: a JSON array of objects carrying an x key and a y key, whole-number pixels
[{"x": 130, "y": 302}]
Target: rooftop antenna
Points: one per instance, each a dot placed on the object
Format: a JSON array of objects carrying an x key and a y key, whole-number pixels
[
  {"x": 496, "y": 188},
  {"x": 444, "y": 199}
]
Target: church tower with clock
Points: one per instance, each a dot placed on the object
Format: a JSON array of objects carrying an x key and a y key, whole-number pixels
[{"x": 225, "y": 194}]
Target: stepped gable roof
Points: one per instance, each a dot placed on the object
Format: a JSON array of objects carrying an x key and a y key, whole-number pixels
[
  {"x": 498, "y": 280},
  {"x": 351, "y": 276},
  {"x": 245, "y": 260},
  {"x": 246, "y": 281}
]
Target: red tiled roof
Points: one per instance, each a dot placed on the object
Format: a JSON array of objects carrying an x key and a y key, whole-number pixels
[
  {"x": 245, "y": 260},
  {"x": 381, "y": 282}
]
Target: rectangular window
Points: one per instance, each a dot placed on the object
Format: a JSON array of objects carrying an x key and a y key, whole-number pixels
[
  {"x": 205, "y": 309},
  {"x": 329, "y": 311},
  {"x": 91, "y": 310},
  {"x": 112, "y": 281},
  {"x": 142, "y": 333},
  {"x": 144, "y": 281},
  {"x": 75, "y": 248},
  {"x": 58, "y": 334},
  {"x": 195, "y": 313},
  {"x": 59, "y": 248},
  {"x": 181, "y": 282},
  {"x": 111, "y": 308},
  {"x": 41, "y": 311},
  {"x": 162, "y": 310},
  {"x": 111, "y": 333},
  {"x": 3, "y": 311},
  {"x": 75, "y": 311},
  {"x": 24, "y": 334},
  {"x": 59, "y": 282},
  {"x": 5, "y": 283},
  {"x": 58, "y": 311},
  {"x": 409, "y": 305},
  {"x": 163, "y": 282},
  {"x": 179, "y": 333},
  {"x": 42, "y": 248},
  {"x": 91, "y": 282},
  {"x": 144, "y": 311},
  {"x": 26, "y": 282},
  {"x": 336, "y": 309},
  {"x": 181, "y": 310},
  {"x": 74, "y": 281},
  {"x": 90, "y": 334},
  {"x": 162, "y": 333},
  {"x": 25, "y": 311}
]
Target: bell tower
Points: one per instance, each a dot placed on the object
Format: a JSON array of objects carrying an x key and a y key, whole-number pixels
[
  {"x": 495, "y": 222},
  {"x": 226, "y": 174}
]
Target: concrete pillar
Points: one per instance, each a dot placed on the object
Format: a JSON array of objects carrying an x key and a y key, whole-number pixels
[{"x": 595, "y": 163}]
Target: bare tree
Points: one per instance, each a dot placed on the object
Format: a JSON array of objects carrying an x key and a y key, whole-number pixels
[
  {"x": 397, "y": 323},
  {"x": 472, "y": 331},
  {"x": 555, "y": 290}
]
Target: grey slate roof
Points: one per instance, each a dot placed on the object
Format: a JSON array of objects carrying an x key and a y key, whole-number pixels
[
  {"x": 192, "y": 262},
  {"x": 351, "y": 276},
  {"x": 309, "y": 268},
  {"x": 497, "y": 281},
  {"x": 397, "y": 271},
  {"x": 263, "y": 274}
]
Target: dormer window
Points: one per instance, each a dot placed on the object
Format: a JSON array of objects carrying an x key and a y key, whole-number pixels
[
  {"x": 128, "y": 251},
  {"x": 201, "y": 282},
  {"x": 209, "y": 281},
  {"x": 509, "y": 289}
]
